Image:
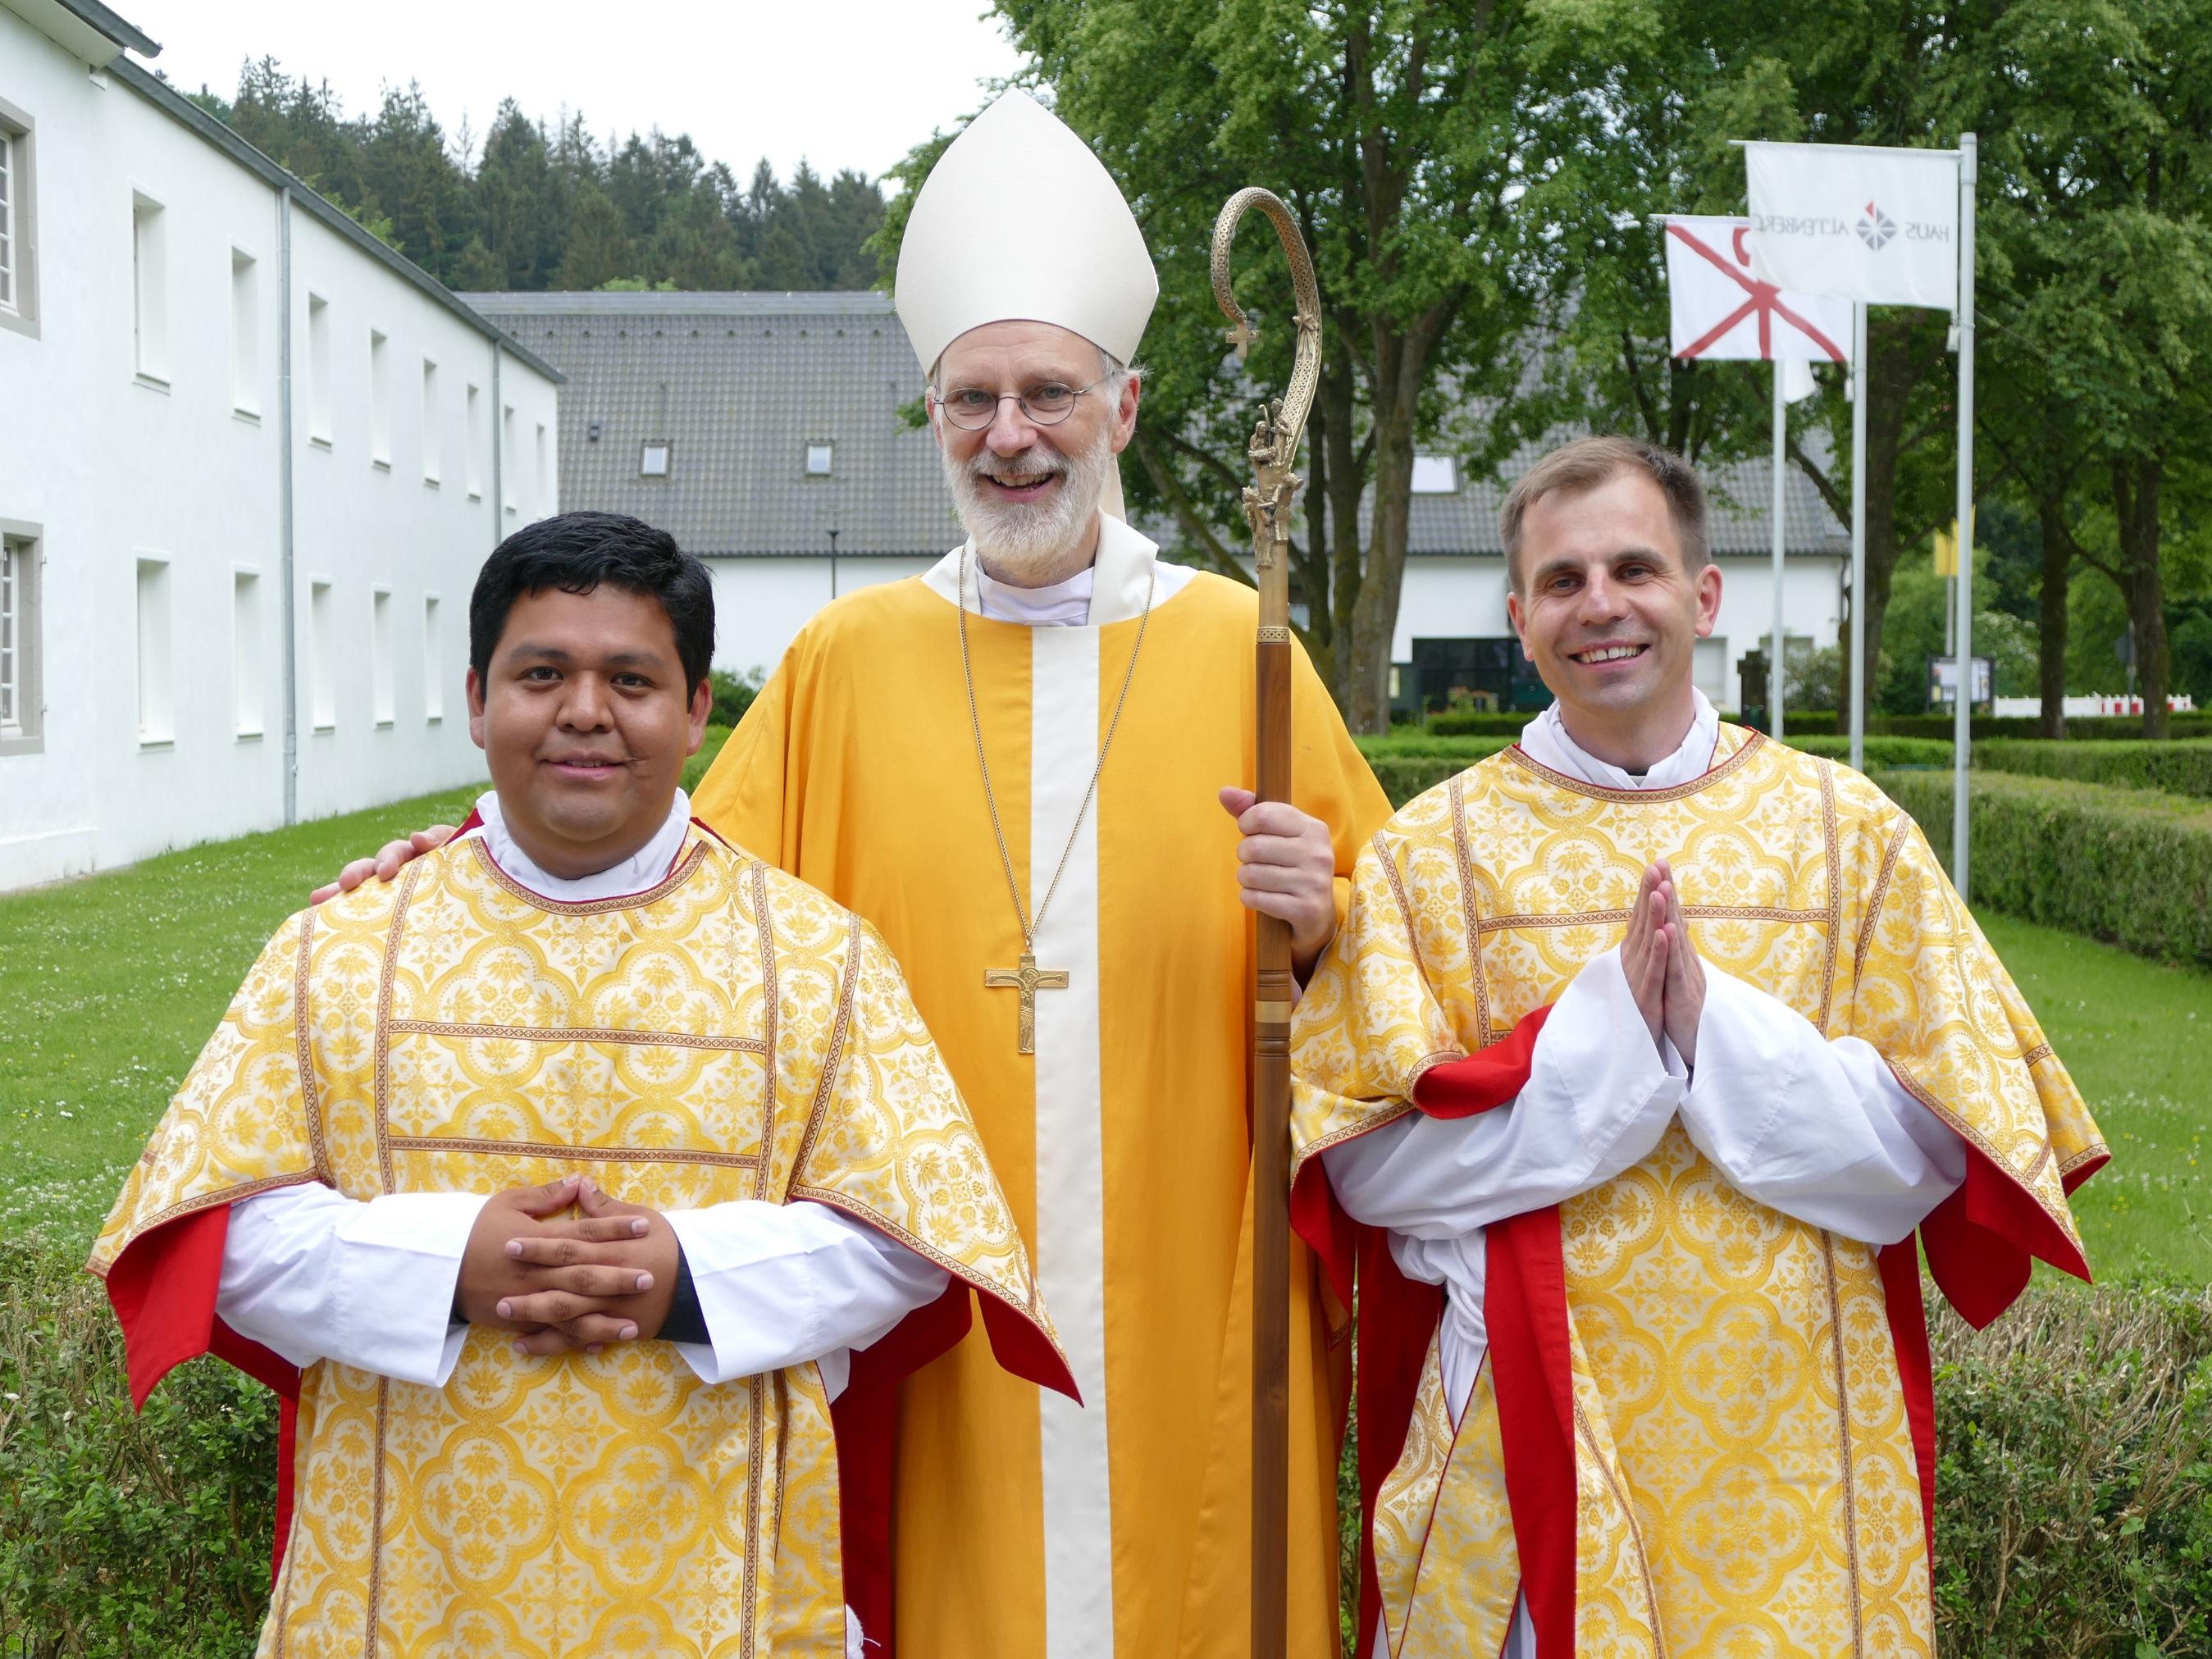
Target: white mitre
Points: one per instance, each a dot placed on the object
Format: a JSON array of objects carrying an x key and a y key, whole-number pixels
[{"x": 1019, "y": 221}]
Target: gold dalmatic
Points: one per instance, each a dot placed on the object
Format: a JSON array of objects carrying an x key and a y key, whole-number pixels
[
  {"x": 1739, "y": 1402},
  {"x": 730, "y": 1033}
]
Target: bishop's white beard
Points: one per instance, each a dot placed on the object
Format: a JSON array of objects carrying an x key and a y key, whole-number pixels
[{"x": 1018, "y": 541}]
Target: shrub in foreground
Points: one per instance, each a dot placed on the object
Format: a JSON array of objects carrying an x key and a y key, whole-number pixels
[
  {"x": 2126, "y": 864},
  {"x": 122, "y": 1533},
  {"x": 2180, "y": 768},
  {"x": 2074, "y": 1486},
  {"x": 2074, "y": 1500}
]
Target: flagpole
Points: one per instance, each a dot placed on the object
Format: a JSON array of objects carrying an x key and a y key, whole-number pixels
[
  {"x": 1774, "y": 676},
  {"x": 1859, "y": 674},
  {"x": 1962, "y": 730}
]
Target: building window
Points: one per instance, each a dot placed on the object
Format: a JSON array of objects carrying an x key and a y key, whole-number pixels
[
  {"x": 507, "y": 456},
  {"x": 818, "y": 457},
  {"x": 149, "y": 273},
  {"x": 434, "y": 664},
  {"x": 379, "y": 654},
  {"x": 1435, "y": 474},
  {"x": 156, "y": 724},
  {"x": 19, "y": 240},
  {"x": 319, "y": 370},
  {"x": 543, "y": 496},
  {"x": 9, "y": 228},
  {"x": 434, "y": 427},
  {"x": 653, "y": 461},
  {"x": 322, "y": 668},
  {"x": 475, "y": 435},
  {"x": 245, "y": 652},
  {"x": 245, "y": 335},
  {"x": 20, "y": 711},
  {"x": 380, "y": 401}
]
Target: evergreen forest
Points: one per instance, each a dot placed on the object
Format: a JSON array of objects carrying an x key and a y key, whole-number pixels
[{"x": 534, "y": 206}]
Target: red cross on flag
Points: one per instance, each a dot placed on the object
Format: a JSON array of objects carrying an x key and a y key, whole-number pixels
[{"x": 1720, "y": 310}]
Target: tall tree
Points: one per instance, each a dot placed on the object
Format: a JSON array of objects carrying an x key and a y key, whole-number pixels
[{"x": 1390, "y": 129}]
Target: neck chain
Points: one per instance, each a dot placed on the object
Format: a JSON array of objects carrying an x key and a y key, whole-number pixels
[{"x": 1029, "y": 924}]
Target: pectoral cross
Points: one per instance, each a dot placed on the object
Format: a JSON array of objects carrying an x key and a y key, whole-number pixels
[{"x": 1029, "y": 979}]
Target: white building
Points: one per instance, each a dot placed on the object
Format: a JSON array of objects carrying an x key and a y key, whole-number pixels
[
  {"x": 766, "y": 433},
  {"x": 253, "y": 461}
]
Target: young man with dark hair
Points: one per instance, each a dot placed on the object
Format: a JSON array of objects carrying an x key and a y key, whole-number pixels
[
  {"x": 1646, "y": 1048},
  {"x": 562, "y": 1187}
]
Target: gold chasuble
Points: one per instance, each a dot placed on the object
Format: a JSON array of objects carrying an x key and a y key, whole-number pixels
[
  {"x": 1024, "y": 1528},
  {"x": 728, "y": 1034},
  {"x": 1702, "y": 1429}
]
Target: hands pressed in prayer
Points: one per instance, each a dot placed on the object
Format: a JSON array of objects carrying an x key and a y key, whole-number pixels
[
  {"x": 1686, "y": 974},
  {"x": 387, "y": 862},
  {"x": 1286, "y": 867},
  {"x": 1664, "y": 974},
  {"x": 604, "y": 1277}
]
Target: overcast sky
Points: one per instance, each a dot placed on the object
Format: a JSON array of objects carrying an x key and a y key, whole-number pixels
[{"x": 844, "y": 83}]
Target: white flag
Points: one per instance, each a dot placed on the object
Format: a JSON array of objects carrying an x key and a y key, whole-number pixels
[
  {"x": 1717, "y": 308},
  {"x": 1876, "y": 225}
]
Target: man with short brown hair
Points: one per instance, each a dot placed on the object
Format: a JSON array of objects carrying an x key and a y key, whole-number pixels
[{"x": 1646, "y": 1048}]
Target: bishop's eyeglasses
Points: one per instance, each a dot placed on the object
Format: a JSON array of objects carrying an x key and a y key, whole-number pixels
[{"x": 1046, "y": 404}]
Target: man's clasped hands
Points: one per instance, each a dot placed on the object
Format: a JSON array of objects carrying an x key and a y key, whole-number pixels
[
  {"x": 606, "y": 1275},
  {"x": 1664, "y": 973}
]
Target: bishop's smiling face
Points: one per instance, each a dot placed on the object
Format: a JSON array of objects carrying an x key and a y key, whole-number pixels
[
  {"x": 1028, "y": 491},
  {"x": 1609, "y": 613}
]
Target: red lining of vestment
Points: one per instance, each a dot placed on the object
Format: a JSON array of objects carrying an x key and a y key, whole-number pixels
[
  {"x": 163, "y": 1288},
  {"x": 1397, "y": 1316}
]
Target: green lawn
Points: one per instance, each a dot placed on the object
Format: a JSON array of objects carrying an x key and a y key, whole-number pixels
[
  {"x": 2137, "y": 1037},
  {"x": 112, "y": 984}
]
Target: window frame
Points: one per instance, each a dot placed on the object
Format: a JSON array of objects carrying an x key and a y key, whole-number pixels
[
  {"x": 28, "y": 541},
  {"x": 20, "y": 314}
]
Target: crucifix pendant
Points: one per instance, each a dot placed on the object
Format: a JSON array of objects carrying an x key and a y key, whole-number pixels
[{"x": 1029, "y": 979}]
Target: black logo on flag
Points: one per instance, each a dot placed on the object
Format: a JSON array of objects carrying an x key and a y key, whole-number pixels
[{"x": 1876, "y": 228}]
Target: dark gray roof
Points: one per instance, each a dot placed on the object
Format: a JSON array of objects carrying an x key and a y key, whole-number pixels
[
  {"x": 181, "y": 109},
  {"x": 739, "y": 384},
  {"x": 1738, "y": 493}
]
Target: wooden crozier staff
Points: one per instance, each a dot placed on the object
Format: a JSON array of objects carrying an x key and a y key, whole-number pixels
[{"x": 1268, "y": 505}]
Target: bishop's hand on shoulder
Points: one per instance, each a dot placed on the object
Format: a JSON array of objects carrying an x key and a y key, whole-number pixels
[{"x": 386, "y": 863}]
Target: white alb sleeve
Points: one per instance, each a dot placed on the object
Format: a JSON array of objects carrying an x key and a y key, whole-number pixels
[
  {"x": 786, "y": 1283},
  {"x": 311, "y": 1275},
  {"x": 1599, "y": 1095},
  {"x": 1821, "y": 1131}
]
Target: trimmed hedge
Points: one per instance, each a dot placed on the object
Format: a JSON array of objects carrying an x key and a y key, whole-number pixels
[
  {"x": 1827, "y": 723},
  {"x": 2125, "y": 864},
  {"x": 1406, "y": 766},
  {"x": 1480, "y": 725},
  {"x": 1881, "y": 752},
  {"x": 2180, "y": 768},
  {"x": 2096, "y": 728}
]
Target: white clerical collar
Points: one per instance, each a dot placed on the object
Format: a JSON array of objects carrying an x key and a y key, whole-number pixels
[
  {"x": 1062, "y": 605},
  {"x": 646, "y": 868},
  {"x": 1117, "y": 583},
  {"x": 1545, "y": 740}
]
